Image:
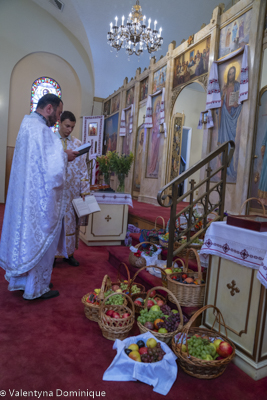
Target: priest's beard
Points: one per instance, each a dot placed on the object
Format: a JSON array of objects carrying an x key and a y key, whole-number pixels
[{"x": 52, "y": 119}]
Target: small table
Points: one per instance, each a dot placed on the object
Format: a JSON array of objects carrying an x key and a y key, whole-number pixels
[
  {"x": 109, "y": 226},
  {"x": 236, "y": 285}
]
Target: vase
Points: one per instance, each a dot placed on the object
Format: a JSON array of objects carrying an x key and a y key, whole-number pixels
[
  {"x": 106, "y": 176},
  {"x": 121, "y": 178}
]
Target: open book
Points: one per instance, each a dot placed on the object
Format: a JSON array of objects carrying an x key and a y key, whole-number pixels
[
  {"x": 84, "y": 148},
  {"x": 86, "y": 207}
]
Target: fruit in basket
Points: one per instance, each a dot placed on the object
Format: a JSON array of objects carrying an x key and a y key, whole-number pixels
[
  {"x": 175, "y": 311},
  {"x": 115, "y": 287},
  {"x": 208, "y": 357},
  {"x": 138, "y": 303},
  {"x": 140, "y": 299},
  {"x": 118, "y": 291},
  {"x": 151, "y": 343},
  {"x": 160, "y": 303},
  {"x": 135, "y": 355},
  {"x": 155, "y": 308},
  {"x": 150, "y": 303},
  {"x": 116, "y": 315},
  {"x": 127, "y": 351},
  {"x": 140, "y": 344},
  {"x": 133, "y": 347},
  {"x": 217, "y": 342},
  {"x": 213, "y": 353},
  {"x": 224, "y": 350},
  {"x": 168, "y": 271},
  {"x": 189, "y": 280},
  {"x": 184, "y": 276},
  {"x": 153, "y": 293},
  {"x": 157, "y": 321},
  {"x": 109, "y": 313},
  {"x": 143, "y": 350},
  {"x": 162, "y": 330},
  {"x": 125, "y": 315},
  {"x": 149, "y": 325}
]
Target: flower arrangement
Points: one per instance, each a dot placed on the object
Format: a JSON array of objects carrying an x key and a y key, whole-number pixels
[
  {"x": 104, "y": 163},
  {"x": 121, "y": 164}
]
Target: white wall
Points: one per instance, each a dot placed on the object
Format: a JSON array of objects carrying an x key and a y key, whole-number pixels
[{"x": 25, "y": 28}]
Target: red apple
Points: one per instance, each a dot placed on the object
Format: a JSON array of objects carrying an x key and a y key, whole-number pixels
[
  {"x": 225, "y": 349},
  {"x": 153, "y": 293},
  {"x": 110, "y": 313},
  {"x": 160, "y": 303},
  {"x": 125, "y": 315},
  {"x": 143, "y": 350},
  {"x": 116, "y": 315},
  {"x": 138, "y": 303},
  {"x": 150, "y": 303},
  {"x": 184, "y": 276}
]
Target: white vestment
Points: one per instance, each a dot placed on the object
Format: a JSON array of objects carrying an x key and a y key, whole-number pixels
[
  {"x": 35, "y": 207},
  {"x": 77, "y": 184}
]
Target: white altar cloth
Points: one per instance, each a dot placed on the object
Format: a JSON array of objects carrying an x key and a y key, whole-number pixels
[
  {"x": 242, "y": 246},
  {"x": 113, "y": 198}
]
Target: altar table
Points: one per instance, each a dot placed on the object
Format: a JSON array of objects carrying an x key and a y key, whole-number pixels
[
  {"x": 109, "y": 226},
  {"x": 236, "y": 284}
]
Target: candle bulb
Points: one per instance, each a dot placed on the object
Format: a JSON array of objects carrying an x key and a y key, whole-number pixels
[
  {"x": 160, "y": 30},
  {"x": 123, "y": 20},
  {"x": 149, "y": 23},
  {"x": 111, "y": 27},
  {"x": 144, "y": 20},
  {"x": 116, "y": 20},
  {"x": 155, "y": 24}
]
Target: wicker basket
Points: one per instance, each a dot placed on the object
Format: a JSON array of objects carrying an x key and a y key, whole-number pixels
[
  {"x": 253, "y": 198},
  {"x": 163, "y": 274},
  {"x": 139, "y": 262},
  {"x": 193, "y": 366},
  {"x": 188, "y": 295},
  {"x": 192, "y": 254},
  {"x": 112, "y": 328},
  {"x": 129, "y": 281},
  {"x": 154, "y": 236},
  {"x": 91, "y": 310},
  {"x": 164, "y": 337}
]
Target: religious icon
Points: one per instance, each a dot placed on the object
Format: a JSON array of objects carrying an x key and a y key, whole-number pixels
[
  {"x": 138, "y": 163},
  {"x": 92, "y": 129},
  {"x": 115, "y": 103},
  {"x": 127, "y": 139},
  {"x": 155, "y": 140},
  {"x": 143, "y": 89},
  {"x": 159, "y": 79},
  {"x": 110, "y": 133},
  {"x": 130, "y": 97},
  {"x": 107, "y": 108}
]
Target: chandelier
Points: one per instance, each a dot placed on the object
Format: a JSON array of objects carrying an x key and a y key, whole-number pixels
[{"x": 135, "y": 36}]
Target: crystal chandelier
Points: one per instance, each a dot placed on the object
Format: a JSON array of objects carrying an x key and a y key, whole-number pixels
[{"x": 135, "y": 36}]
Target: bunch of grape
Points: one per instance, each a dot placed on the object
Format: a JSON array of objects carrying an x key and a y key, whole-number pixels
[
  {"x": 170, "y": 323},
  {"x": 117, "y": 299},
  {"x": 153, "y": 355},
  {"x": 166, "y": 309},
  {"x": 199, "y": 347},
  {"x": 135, "y": 289},
  {"x": 149, "y": 316}
]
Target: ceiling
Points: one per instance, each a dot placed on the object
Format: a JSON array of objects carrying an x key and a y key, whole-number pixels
[{"x": 89, "y": 21}]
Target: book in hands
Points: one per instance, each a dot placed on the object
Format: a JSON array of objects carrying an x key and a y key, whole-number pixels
[
  {"x": 86, "y": 207},
  {"x": 84, "y": 148}
]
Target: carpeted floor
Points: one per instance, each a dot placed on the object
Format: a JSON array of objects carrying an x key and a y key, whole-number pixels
[{"x": 49, "y": 345}]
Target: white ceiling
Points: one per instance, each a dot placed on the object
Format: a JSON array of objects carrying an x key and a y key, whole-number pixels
[{"x": 89, "y": 21}]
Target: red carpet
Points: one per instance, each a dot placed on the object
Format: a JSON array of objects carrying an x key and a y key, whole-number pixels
[
  {"x": 47, "y": 345},
  {"x": 150, "y": 212}
]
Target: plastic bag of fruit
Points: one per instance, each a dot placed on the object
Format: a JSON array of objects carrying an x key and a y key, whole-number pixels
[{"x": 155, "y": 366}]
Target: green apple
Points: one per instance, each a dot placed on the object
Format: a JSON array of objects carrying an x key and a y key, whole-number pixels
[
  {"x": 168, "y": 271},
  {"x": 155, "y": 308},
  {"x": 207, "y": 357},
  {"x": 217, "y": 343},
  {"x": 162, "y": 330},
  {"x": 213, "y": 352}
]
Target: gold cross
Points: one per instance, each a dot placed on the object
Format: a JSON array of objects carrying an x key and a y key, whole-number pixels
[
  {"x": 234, "y": 289},
  {"x": 108, "y": 218}
]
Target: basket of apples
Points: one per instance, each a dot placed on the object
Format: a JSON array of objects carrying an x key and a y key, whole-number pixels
[
  {"x": 143, "y": 358},
  {"x": 187, "y": 286},
  {"x": 162, "y": 322},
  {"x": 154, "y": 299},
  {"x": 92, "y": 300},
  {"x": 115, "y": 319},
  {"x": 203, "y": 353}
]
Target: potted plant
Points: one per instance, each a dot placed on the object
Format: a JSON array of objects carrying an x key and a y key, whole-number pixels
[{"x": 121, "y": 165}]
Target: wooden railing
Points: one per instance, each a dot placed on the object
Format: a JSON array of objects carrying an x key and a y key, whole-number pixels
[{"x": 211, "y": 198}]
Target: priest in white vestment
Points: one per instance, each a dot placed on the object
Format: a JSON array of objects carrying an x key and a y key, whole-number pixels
[
  {"x": 36, "y": 203},
  {"x": 77, "y": 184}
]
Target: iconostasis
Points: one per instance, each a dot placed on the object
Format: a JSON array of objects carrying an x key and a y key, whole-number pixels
[{"x": 173, "y": 138}]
